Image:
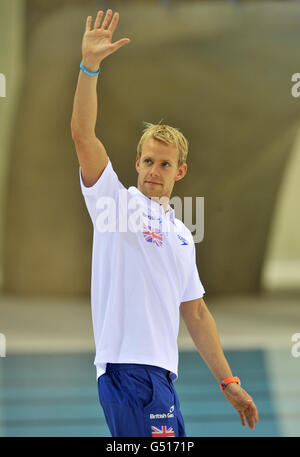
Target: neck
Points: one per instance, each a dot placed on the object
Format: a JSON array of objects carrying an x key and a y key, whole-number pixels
[{"x": 162, "y": 200}]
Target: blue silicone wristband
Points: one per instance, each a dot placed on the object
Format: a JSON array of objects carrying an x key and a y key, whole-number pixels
[{"x": 89, "y": 72}]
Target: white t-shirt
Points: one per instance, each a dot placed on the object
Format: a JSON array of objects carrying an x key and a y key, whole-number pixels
[{"x": 139, "y": 277}]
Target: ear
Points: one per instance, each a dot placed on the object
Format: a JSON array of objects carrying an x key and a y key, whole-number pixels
[
  {"x": 182, "y": 170},
  {"x": 137, "y": 164}
]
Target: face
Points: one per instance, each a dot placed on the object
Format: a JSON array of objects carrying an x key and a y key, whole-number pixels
[{"x": 158, "y": 169}]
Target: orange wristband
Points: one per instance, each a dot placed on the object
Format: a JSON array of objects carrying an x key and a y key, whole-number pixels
[{"x": 229, "y": 380}]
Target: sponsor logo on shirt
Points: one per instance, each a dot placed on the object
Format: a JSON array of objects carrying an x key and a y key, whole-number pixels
[
  {"x": 184, "y": 242},
  {"x": 163, "y": 415},
  {"x": 152, "y": 217}
]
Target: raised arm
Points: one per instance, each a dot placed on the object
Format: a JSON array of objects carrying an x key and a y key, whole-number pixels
[{"x": 96, "y": 45}]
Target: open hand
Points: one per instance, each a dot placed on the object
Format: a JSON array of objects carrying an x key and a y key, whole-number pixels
[{"x": 96, "y": 42}]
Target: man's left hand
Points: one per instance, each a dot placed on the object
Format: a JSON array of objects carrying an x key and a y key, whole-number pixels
[{"x": 243, "y": 403}]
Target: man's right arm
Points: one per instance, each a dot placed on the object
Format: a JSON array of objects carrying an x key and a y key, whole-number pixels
[
  {"x": 91, "y": 153},
  {"x": 96, "y": 45}
]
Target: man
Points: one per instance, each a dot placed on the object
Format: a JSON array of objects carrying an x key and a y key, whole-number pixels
[{"x": 141, "y": 276}]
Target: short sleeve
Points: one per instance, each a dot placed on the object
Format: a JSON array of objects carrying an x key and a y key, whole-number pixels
[
  {"x": 107, "y": 186},
  {"x": 194, "y": 288}
]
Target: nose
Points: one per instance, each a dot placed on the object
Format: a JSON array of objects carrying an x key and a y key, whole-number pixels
[{"x": 154, "y": 171}]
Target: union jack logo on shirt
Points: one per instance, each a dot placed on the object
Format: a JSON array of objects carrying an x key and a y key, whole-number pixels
[
  {"x": 162, "y": 431},
  {"x": 153, "y": 236}
]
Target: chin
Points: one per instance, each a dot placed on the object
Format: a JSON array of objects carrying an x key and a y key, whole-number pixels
[{"x": 155, "y": 192}]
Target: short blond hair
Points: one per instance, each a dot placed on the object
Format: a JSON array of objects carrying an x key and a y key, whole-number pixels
[{"x": 167, "y": 134}]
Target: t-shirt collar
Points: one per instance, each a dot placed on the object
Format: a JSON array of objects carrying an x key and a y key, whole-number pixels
[{"x": 151, "y": 203}]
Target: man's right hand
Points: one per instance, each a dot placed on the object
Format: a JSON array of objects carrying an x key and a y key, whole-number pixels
[{"x": 96, "y": 42}]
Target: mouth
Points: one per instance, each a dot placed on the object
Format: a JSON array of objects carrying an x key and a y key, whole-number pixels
[{"x": 153, "y": 183}]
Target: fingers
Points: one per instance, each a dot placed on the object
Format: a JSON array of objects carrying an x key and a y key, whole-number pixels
[
  {"x": 251, "y": 415},
  {"x": 243, "y": 420},
  {"x": 98, "y": 20},
  {"x": 250, "y": 420},
  {"x": 88, "y": 23},
  {"x": 107, "y": 19},
  {"x": 108, "y": 23},
  {"x": 118, "y": 44},
  {"x": 255, "y": 414},
  {"x": 114, "y": 22}
]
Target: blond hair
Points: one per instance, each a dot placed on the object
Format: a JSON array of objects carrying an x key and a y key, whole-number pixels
[{"x": 167, "y": 134}]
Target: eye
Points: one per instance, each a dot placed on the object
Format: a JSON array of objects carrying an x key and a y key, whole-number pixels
[
  {"x": 166, "y": 163},
  {"x": 147, "y": 160}
]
